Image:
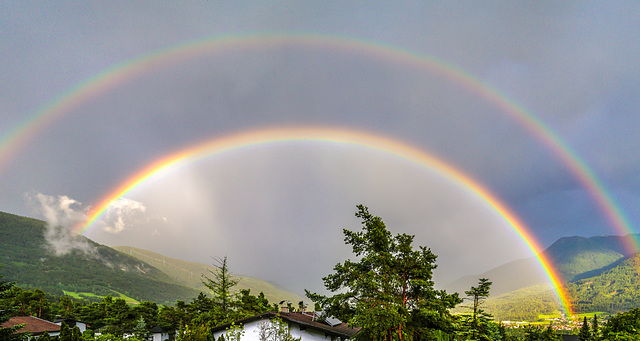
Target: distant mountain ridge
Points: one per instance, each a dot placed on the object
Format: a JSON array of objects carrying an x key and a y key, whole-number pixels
[
  {"x": 583, "y": 263},
  {"x": 190, "y": 274}
]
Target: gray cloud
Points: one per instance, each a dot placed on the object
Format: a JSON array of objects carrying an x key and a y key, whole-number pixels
[{"x": 572, "y": 65}]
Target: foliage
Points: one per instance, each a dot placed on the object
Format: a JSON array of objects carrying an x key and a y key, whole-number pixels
[
  {"x": 623, "y": 326},
  {"x": 234, "y": 332},
  {"x": 585, "y": 332},
  {"x": 141, "y": 331},
  {"x": 595, "y": 328},
  {"x": 220, "y": 283},
  {"x": 6, "y": 311},
  {"x": 479, "y": 325},
  {"x": 275, "y": 330},
  {"x": 194, "y": 333},
  {"x": 389, "y": 291}
]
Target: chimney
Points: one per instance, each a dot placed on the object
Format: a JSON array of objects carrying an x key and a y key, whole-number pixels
[{"x": 284, "y": 306}]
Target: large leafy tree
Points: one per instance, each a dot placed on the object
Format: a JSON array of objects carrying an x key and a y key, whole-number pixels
[
  {"x": 388, "y": 291},
  {"x": 623, "y": 326}
]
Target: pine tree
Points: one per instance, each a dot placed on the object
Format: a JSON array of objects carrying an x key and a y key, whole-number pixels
[
  {"x": 595, "y": 328},
  {"x": 65, "y": 333},
  {"x": 140, "y": 331},
  {"x": 389, "y": 290},
  {"x": 221, "y": 283},
  {"x": 478, "y": 325},
  {"x": 585, "y": 333}
]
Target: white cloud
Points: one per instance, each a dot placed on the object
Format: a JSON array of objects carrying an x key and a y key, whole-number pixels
[
  {"x": 123, "y": 214},
  {"x": 61, "y": 213}
]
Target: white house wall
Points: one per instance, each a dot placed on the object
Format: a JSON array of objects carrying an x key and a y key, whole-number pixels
[{"x": 251, "y": 330}]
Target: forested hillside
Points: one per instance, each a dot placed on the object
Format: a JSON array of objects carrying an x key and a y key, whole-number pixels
[
  {"x": 597, "y": 272},
  {"x": 575, "y": 257},
  {"x": 614, "y": 290},
  {"x": 27, "y": 261}
]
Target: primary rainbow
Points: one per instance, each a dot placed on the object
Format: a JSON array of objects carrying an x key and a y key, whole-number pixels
[
  {"x": 220, "y": 145},
  {"x": 93, "y": 87}
]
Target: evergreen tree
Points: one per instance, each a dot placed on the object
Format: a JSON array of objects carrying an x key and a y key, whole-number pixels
[
  {"x": 479, "y": 325},
  {"x": 221, "y": 283},
  {"x": 595, "y": 328},
  {"x": 141, "y": 331},
  {"x": 389, "y": 292},
  {"x": 585, "y": 333},
  {"x": 65, "y": 333},
  {"x": 76, "y": 335}
]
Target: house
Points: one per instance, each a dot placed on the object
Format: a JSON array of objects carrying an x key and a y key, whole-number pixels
[
  {"x": 71, "y": 323},
  {"x": 307, "y": 326},
  {"x": 33, "y": 325},
  {"x": 159, "y": 334}
]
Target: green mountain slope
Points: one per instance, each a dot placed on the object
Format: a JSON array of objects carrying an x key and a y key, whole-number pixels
[
  {"x": 575, "y": 256},
  {"x": 190, "y": 274},
  {"x": 27, "y": 261},
  {"x": 586, "y": 264},
  {"x": 614, "y": 290}
]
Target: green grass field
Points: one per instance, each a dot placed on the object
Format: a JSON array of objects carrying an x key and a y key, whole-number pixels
[{"x": 87, "y": 295}]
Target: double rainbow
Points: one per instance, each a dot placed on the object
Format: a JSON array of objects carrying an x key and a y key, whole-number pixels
[{"x": 95, "y": 86}]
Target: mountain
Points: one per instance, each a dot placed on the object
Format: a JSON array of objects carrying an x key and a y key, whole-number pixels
[
  {"x": 190, "y": 274},
  {"x": 577, "y": 257},
  {"x": 598, "y": 272},
  {"x": 28, "y": 259},
  {"x": 506, "y": 278},
  {"x": 615, "y": 289}
]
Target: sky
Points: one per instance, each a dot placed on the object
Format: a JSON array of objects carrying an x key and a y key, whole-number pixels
[{"x": 461, "y": 81}]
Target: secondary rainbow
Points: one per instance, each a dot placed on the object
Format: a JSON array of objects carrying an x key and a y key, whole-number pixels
[
  {"x": 95, "y": 86},
  {"x": 233, "y": 142}
]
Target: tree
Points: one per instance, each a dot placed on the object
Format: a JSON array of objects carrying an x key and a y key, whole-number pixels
[
  {"x": 478, "y": 326},
  {"x": 250, "y": 305},
  {"x": 585, "y": 333},
  {"x": 220, "y": 283},
  {"x": 550, "y": 335},
  {"x": 141, "y": 331},
  {"x": 275, "y": 330},
  {"x": 595, "y": 328},
  {"x": 623, "y": 326},
  {"x": 388, "y": 291},
  {"x": 6, "y": 312}
]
